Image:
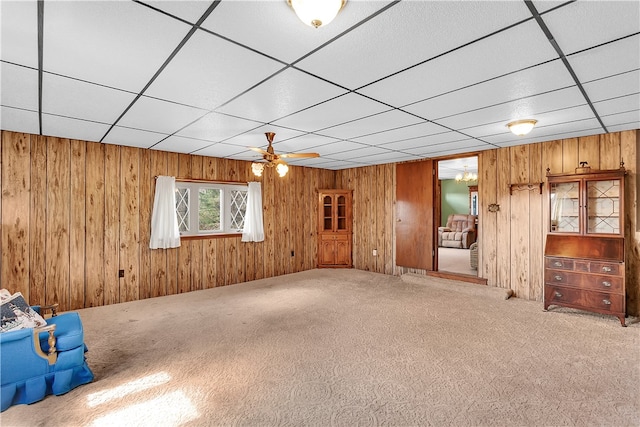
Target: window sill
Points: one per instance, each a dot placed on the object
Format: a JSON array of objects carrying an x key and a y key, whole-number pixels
[{"x": 211, "y": 236}]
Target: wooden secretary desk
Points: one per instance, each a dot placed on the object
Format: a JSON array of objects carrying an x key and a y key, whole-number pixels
[{"x": 584, "y": 253}]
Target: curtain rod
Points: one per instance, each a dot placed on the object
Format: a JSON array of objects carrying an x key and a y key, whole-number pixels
[{"x": 206, "y": 181}]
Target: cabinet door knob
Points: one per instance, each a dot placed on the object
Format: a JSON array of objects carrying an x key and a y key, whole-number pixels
[
  {"x": 557, "y": 264},
  {"x": 606, "y": 302},
  {"x": 558, "y": 278},
  {"x": 606, "y": 269},
  {"x": 606, "y": 284},
  {"x": 557, "y": 294}
]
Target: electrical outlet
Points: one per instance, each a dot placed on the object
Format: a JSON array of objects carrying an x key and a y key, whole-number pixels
[
  {"x": 292, "y": 253},
  {"x": 375, "y": 252},
  {"x": 121, "y": 273}
]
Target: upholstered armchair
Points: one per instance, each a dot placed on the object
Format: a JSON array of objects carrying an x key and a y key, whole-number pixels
[
  {"x": 460, "y": 231},
  {"x": 35, "y": 362}
]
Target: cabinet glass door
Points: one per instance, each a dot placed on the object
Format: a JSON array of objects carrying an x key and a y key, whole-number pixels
[
  {"x": 327, "y": 213},
  {"x": 565, "y": 207},
  {"x": 342, "y": 212},
  {"x": 603, "y": 206}
]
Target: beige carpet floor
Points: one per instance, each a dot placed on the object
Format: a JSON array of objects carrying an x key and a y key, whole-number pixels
[
  {"x": 455, "y": 260},
  {"x": 348, "y": 348}
]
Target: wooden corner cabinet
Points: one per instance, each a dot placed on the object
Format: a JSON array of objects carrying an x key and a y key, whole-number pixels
[
  {"x": 584, "y": 253},
  {"x": 335, "y": 224}
]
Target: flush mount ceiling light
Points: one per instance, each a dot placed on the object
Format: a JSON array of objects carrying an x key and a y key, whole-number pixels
[
  {"x": 466, "y": 176},
  {"x": 522, "y": 127},
  {"x": 316, "y": 13}
]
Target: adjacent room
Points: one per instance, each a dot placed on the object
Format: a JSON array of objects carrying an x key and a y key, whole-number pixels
[{"x": 381, "y": 212}]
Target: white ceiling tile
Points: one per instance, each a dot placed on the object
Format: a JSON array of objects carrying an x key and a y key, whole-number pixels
[
  {"x": 339, "y": 110},
  {"x": 527, "y": 108},
  {"x": 486, "y": 59},
  {"x": 286, "y": 93},
  {"x": 405, "y": 133},
  {"x": 222, "y": 150},
  {"x": 116, "y": 43},
  {"x": 532, "y": 81},
  {"x": 209, "y": 71},
  {"x": 66, "y": 127},
  {"x": 457, "y": 145},
  {"x": 618, "y": 105},
  {"x": 77, "y": 99},
  {"x": 441, "y": 137},
  {"x": 589, "y": 126},
  {"x": 282, "y": 35},
  {"x": 19, "y": 87},
  {"x": 178, "y": 144},
  {"x": 606, "y": 21},
  {"x": 18, "y": 120},
  {"x": 625, "y": 121},
  {"x": 610, "y": 87},
  {"x": 306, "y": 143},
  {"x": 159, "y": 116},
  {"x": 19, "y": 32},
  {"x": 364, "y": 151},
  {"x": 544, "y": 5},
  {"x": 218, "y": 127},
  {"x": 388, "y": 120},
  {"x": 188, "y": 10},
  {"x": 256, "y": 137},
  {"x": 387, "y": 157},
  {"x": 607, "y": 60},
  {"x": 133, "y": 137},
  {"x": 407, "y": 33}
]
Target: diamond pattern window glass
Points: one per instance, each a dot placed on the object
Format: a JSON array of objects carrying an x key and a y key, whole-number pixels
[
  {"x": 238, "y": 208},
  {"x": 210, "y": 208},
  {"x": 182, "y": 207},
  {"x": 565, "y": 205}
]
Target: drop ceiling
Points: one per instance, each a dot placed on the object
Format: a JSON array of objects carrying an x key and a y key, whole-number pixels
[{"x": 386, "y": 81}]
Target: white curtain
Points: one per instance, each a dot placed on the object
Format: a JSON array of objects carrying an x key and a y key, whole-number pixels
[
  {"x": 164, "y": 219},
  {"x": 253, "y": 226}
]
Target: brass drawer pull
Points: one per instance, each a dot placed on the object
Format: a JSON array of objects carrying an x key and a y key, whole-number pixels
[
  {"x": 558, "y": 278},
  {"x": 557, "y": 264},
  {"x": 557, "y": 294},
  {"x": 606, "y": 269},
  {"x": 606, "y": 284},
  {"x": 606, "y": 302}
]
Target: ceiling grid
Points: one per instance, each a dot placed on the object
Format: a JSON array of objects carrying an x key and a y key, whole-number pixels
[{"x": 386, "y": 81}]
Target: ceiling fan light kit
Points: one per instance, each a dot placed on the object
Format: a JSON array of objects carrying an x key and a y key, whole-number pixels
[
  {"x": 275, "y": 160},
  {"x": 521, "y": 127},
  {"x": 316, "y": 13}
]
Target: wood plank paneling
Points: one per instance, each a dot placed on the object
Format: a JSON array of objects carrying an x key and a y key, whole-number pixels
[
  {"x": 48, "y": 173},
  {"x": 95, "y": 222},
  {"x": 38, "y": 221},
  {"x": 58, "y": 220},
  {"x": 16, "y": 187},
  {"x": 145, "y": 207},
  {"x": 112, "y": 167},
  {"x": 172, "y": 254},
  {"x": 77, "y": 229},
  {"x": 130, "y": 224},
  {"x": 158, "y": 257}
]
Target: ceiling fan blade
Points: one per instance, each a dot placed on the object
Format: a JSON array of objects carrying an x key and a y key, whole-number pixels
[
  {"x": 259, "y": 150},
  {"x": 299, "y": 155}
]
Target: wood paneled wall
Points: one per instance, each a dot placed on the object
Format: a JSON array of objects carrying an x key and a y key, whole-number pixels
[{"x": 74, "y": 213}]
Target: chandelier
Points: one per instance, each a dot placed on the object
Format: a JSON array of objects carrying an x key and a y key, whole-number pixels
[{"x": 466, "y": 176}]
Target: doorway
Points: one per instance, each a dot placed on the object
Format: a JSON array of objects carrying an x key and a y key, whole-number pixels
[{"x": 457, "y": 216}]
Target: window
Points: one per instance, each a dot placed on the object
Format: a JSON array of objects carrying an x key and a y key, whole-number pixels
[{"x": 206, "y": 209}]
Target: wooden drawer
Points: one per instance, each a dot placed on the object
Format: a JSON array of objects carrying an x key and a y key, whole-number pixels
[
  {"x": 610, "y": 268},
  {"x": 598, "y": 282},
  {"x": 578, "y": 298},
  {"x": 558, "y": 263}
]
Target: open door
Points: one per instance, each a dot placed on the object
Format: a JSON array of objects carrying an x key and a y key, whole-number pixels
[{"x": 415, "y": 214}]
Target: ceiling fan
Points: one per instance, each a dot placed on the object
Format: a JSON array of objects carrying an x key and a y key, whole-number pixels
[{"x": 275, "y": 160}]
